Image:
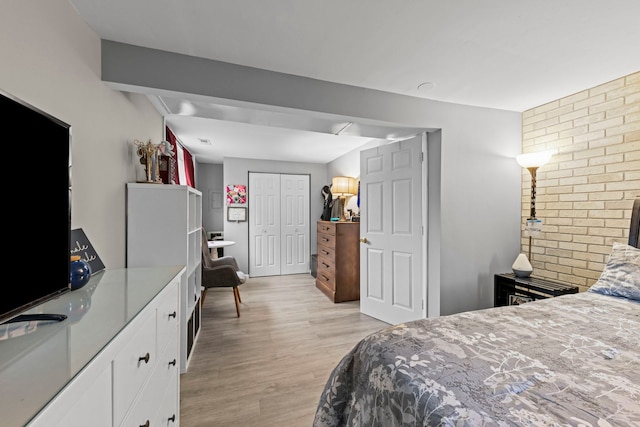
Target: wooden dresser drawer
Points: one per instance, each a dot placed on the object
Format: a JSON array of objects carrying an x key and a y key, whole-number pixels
[
  {"x": 326, "y": 227},
  {"x": 328, "y": 240},
  {"x": 326, "y": 279},
  {"x": 327, "y": 252},
  {"x": 326, "y": 282},
  {"x": 326, "y": 264}
]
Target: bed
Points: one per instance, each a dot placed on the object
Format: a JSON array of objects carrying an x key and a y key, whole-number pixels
[{"x": 573, "y": 360}]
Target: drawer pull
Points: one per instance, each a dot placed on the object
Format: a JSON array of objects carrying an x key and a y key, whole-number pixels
[
  {"x": 173, "y": 315},
  {"x": 147, "y": 424},
  {"x": 146, "y": 360},
  {"x": 172, "y": 418},
  {"x": 325, "y": 252},
  {"x": 325, "y": 265},
  {"x": 173, "y": 362},
  {"x": 325, "y": 278}
]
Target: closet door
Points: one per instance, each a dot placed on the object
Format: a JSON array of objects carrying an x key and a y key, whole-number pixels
[
  {"x": 279, "y": 232},
  {"x": 294, "y": 253},
  {"x": 264, "y": 224}
]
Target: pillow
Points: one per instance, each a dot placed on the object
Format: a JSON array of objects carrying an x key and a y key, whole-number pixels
[{"x": 621, "y": 275}]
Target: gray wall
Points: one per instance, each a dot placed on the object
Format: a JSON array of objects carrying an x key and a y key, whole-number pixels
[
  {"x": 51, "y": 59},
  {"x": 209, "y": 179}
]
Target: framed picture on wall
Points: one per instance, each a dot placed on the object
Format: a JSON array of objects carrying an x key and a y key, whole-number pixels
[
  {"x": 215, "y": 199},
  {"x": 237, "y": 214},
  {"x": 236, "y": 193}
]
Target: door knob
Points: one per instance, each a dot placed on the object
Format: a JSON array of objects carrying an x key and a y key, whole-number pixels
[{"x": 364, "y": 240}]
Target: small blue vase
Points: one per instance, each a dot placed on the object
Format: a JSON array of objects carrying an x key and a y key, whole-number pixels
[{"x": 80, "y": 272}]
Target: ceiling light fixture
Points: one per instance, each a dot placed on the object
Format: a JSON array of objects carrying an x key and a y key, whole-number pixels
[{"x": 204, "y": 141}]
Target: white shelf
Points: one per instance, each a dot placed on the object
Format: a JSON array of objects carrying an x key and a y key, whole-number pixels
[{"x": 164, "y": 228}]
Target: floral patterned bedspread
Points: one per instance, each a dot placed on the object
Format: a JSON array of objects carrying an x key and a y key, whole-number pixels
[{"x": 572, "y": 360}]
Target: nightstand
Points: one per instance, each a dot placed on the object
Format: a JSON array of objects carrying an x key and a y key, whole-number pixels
[{"x": 511, "y": 290}]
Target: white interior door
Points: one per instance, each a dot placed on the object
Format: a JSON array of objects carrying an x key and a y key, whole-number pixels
[
  {"x": 264, "y": 224},
  {"x": 294, "y": 255},
  {"x": 391, "y": 261},
  {"x": 279, "y": 229}
]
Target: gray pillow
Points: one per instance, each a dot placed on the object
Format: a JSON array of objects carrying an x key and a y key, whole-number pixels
[{"x": 621, "y": 275}]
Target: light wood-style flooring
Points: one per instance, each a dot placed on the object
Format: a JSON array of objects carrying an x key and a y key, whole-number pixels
[{"x": 268, "y": 367}]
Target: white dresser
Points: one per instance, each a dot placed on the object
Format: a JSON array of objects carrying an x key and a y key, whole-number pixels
[{"x": 115, "y": 360}]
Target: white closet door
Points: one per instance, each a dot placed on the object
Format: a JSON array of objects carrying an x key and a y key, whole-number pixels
[
  {"x": 264, "y": 224},
  {"x": 279, "y": 232},
  {"x": 294, "y": 253}
]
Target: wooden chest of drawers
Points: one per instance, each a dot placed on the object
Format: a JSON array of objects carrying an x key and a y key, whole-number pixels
[{"x": 338, "y": 270}]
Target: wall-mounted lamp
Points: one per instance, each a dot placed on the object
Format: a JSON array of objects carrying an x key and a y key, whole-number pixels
[
  {"x": 343, "y": 186},
  {"x": 532, "y": 162}
]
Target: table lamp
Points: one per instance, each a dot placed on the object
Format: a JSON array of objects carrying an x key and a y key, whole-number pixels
[{"x": 343, "y": 186}]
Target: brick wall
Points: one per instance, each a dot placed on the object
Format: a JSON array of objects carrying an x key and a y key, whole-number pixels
[{"x": 585, "y": 193}]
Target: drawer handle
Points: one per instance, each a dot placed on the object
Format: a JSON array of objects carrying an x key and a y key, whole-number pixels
[
  {"x": 172, "y": 418},
  {"x": 326, "y": 265},
  {"x": 173, "y": 315},
  {"x": 146, "y": 360},
  {"x": 325, "y": 252},
  {"x": 147, "y": 424},
  {"x": 325, "y": 278},
  {"x": 173, "y": 362}
]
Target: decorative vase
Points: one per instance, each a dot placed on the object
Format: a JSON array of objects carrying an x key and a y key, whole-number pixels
[
  {"x": 80, "y": 272},
  {"x": 522, "y": 267}
]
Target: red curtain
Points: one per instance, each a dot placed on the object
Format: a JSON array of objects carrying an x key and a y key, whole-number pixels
[
  {"x": 174, "y": 144},
  {"x": 186, "y": 164},
  {"x": 188, "y": 168}
]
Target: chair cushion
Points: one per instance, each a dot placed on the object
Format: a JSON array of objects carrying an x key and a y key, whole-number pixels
[{"x": 241, "y": 276}]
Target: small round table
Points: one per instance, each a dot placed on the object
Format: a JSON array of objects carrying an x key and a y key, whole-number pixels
[{"x": 215, "y": 244}]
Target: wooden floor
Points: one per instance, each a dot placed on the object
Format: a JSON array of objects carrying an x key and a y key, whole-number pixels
[{"x": 267, "y": 367}]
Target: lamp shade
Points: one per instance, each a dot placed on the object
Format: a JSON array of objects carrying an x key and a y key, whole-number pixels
[
  {"x": 534, "y": 160},
  {"x": 344, "y": 186}
]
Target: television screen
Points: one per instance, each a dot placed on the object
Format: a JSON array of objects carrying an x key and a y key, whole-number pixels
[{"x": 37, "y": 200}]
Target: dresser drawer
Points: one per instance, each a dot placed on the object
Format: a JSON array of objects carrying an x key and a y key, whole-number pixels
[
  {"x": 327, "y": 240},
  {"x": 326, "y": 227},
  {"x": 131, "y": 368},
  {"x": 327, "y": 279},
  {"x": 148, "y": 405},
  {"x": 326, "y": 264},
  {"x": 167, "y": 317},
  {"x": 327, "y": 252},
  {"x": 169, "y": 411}
]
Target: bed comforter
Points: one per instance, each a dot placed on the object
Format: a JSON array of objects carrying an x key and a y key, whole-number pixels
[{"x": 572, "y": 360}]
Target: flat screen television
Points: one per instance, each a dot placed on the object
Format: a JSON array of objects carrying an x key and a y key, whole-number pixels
[{"x": 37, "y": 200}]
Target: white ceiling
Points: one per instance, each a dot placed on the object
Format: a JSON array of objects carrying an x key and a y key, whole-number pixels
[{"x": 504, "y": 54}]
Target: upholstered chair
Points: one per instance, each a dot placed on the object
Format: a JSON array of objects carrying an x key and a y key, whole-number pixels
[{"x": 221, "y": 272}]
